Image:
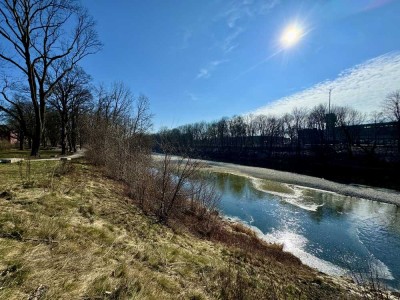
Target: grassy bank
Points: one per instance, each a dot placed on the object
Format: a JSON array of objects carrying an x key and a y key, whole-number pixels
[{"x": 68, "y": 232}]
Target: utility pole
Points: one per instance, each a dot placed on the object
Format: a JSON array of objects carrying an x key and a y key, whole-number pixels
[{"x": 329, "y": 109}]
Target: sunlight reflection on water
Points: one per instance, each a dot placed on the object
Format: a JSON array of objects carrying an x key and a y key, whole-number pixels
[{"x": 327, "y": 231}]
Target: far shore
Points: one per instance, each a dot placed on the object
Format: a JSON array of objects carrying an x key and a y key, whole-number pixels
[{"x": 364, "y": 192}]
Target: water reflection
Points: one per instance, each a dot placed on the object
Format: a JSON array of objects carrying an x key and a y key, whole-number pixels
[{"x": 326, "y": 230}]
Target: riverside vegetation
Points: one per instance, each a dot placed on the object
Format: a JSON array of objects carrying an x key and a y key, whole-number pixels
[{"x": 69, "y": 232}]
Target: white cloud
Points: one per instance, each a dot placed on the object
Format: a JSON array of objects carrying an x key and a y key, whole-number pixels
[
  {"x": 362, "y": 87},
  {"x": 206, "y": 71}
]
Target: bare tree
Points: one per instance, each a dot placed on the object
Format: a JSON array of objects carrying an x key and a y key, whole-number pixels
[
  {"x": 251, "y": 127},
  {"x": 317, "y": 120},
  {"x": 182, "y": 189},
  {"x": 348, "y": 120},
  {"x": 38, "y": 37},
  {"x": 141, "y": 119},
  {"x": 300, "y": 120},
  {"x": 274, "y": 131},
  {"x": 391, "y": 108},
  {"x": 68, "y": 95},
  {"x": 113, "y": 104},
  {"x": 237, "y": 129}
]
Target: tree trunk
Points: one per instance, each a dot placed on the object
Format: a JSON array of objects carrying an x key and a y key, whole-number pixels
[
  {"x": 37, "y": 134},
  {"x": 21, "y": 139},
  {"x": 398, "y": 137},
  {"x": 73, "y": 133},
  {"x": 63, "y": 137}
]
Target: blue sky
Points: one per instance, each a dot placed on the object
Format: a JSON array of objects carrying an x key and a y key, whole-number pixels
[{"x": 202, "y": 60}]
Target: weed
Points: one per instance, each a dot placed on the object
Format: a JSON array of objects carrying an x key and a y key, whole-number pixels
[
  {"x": 370, "y": 281},
  {"x": 13, "y": 275},
  {"x": 25, "y": 173},
  {"x": 87, "y": 211}
]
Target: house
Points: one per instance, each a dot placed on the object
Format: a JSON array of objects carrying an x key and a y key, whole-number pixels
[{"x": 8, "y": 135}]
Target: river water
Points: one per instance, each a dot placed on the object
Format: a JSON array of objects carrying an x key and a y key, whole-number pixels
[{"x": 332, "y": 233}]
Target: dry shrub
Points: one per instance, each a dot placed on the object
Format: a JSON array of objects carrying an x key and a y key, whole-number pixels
[
  {"x": 24, "y": 170},
  {"x": 64, "y": 168},
  {"x": 369, "y": 280},
  {"x": 5, "y": 145},
  {"x": 118, "y": 142}
]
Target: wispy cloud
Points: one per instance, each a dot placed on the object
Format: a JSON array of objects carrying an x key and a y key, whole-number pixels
[
  {"x": 185, "y": 36},
  {"x": 192, "y": 96},
  {"x": 362, "y": 87},
  {"x": 233, "y": 14},
  {"x": 229, "y": 43},
  {"x": 236, "y": 13},
  {"x": 207, "y": 70}
]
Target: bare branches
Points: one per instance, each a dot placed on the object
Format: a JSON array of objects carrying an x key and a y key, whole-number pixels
[
  {"x": 141, "y": 116},
  {"x": 45, "y": 40},
  {"x": 69, "y": 95},
  {"x": 391, "y": 106}
]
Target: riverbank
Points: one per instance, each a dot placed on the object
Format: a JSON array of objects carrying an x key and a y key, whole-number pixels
[{"x": 67, "y": 231}]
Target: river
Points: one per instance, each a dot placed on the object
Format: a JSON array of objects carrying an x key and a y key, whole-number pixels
[{"x": 333, "y": 233}]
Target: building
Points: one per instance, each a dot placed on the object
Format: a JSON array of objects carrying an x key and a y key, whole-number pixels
[
  {"x": 8, "y": 135},
  {"x": 373, "y": 133}
]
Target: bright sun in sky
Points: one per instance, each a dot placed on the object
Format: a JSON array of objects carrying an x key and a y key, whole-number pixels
[{"x": 291, "y": 35}]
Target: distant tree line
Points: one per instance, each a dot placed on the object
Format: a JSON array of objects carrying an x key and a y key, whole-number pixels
[
  {"x": 297, "y": 140},
  {"x": 341, "y": 129}
]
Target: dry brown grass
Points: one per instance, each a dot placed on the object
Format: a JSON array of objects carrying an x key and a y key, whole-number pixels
[{"x": 77, "y": 236}]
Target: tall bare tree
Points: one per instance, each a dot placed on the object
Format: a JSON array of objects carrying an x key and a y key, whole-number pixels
[
  {"x": 348, "y": 120},
  {"x": 68, "y": 95},
  {"x": 37, "y": 37},
  {"x": 391, "y": 108}
]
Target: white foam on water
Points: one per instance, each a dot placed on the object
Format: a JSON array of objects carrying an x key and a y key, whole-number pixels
[
  {"x": 251, "y": 219},
  {"x": 380, "y": 269},
  {"x": 295, "y": 198},
  {"x": 294, "y": 243}
]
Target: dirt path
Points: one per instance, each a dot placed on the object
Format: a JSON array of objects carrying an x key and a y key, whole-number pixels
[{"x": 78, "y": 154}]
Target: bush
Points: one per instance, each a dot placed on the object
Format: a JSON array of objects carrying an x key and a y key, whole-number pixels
[{"x": 5, "y": 145}]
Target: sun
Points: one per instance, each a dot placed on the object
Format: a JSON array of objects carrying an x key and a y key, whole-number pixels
[{"x": 291, "y": 35}]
